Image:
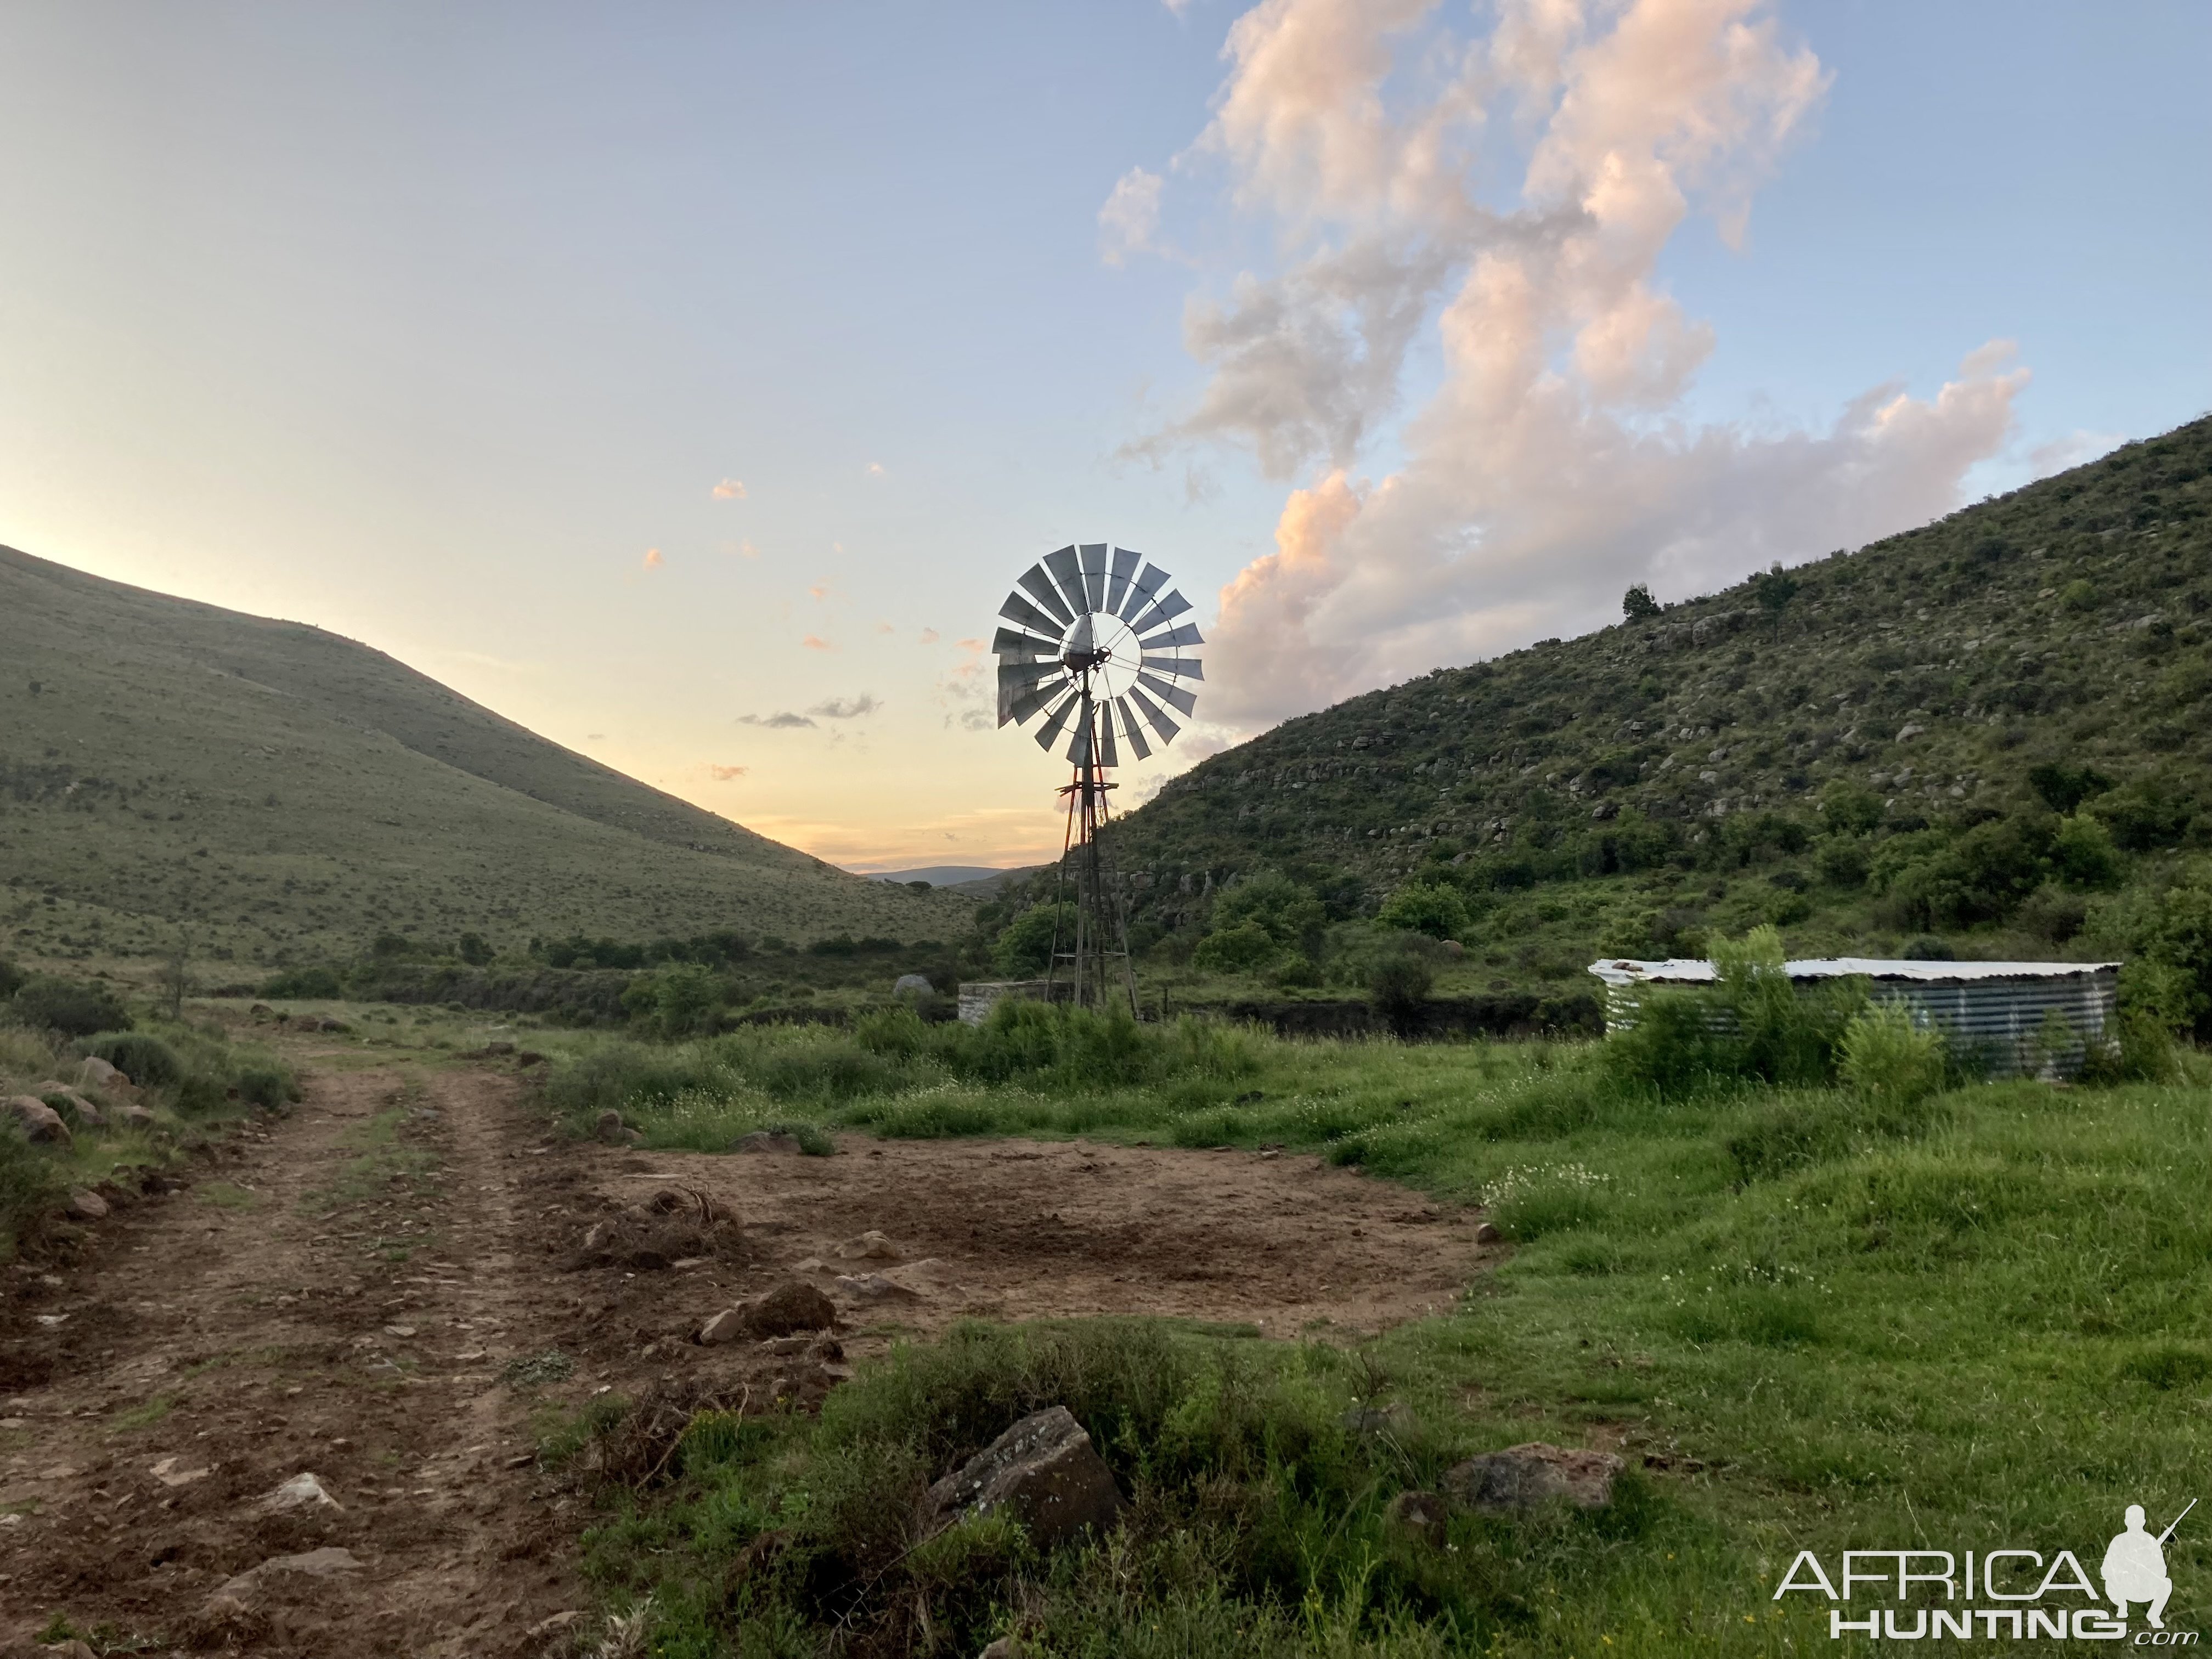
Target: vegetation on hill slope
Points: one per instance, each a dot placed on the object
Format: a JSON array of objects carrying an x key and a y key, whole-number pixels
[
  {"x": 171, "y": 773},
  {"x": 1989, "y": 729}
]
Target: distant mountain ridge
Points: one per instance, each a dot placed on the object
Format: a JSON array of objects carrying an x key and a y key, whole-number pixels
[{"x": 337, "y": 794}]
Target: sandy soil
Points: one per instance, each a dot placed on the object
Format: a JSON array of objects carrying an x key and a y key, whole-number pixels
[{"x": 346, "y": 1291}]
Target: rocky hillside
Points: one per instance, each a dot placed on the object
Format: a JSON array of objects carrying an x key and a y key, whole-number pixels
[
  {"x": 1914, "y": 686},
  {"x": 171, "y": 773}
]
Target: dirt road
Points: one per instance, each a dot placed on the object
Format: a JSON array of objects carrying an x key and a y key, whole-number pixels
[{"x": 386, "y": 1289}]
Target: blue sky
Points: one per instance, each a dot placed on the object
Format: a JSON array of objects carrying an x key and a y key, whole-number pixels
[{"x": 438, "y": 327}]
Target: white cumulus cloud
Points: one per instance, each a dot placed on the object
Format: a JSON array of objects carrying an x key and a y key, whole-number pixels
[{"x": 1492, "y": 208}]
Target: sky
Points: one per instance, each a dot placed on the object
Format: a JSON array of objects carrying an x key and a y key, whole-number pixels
[{"x": 690, "y": 383}]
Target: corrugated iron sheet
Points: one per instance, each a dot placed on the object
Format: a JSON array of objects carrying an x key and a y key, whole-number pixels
[{"x": 1999, "y": 1012}]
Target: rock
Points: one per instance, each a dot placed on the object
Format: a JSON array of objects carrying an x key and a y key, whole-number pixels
[
  {"x": 1393, "y": 1418},
  {"x": 870, "y": 1246},
  {"x": 554, "y": 1626},
  {"x": 325, "y": 1563},
  {"x": 793, "y": 1305},
  {"x": 1419, "y": 1518},
  {"x": 1454, "y": 949},
  {"x": 260, "y": 1011},
  {"x": 99, "y": 1074},
  {"x": 132, "y": 1115},
  {"x": 499, "y": 1047},
  {"x": 303, "y": 1492},
  {"x": 611, "y": 1126},
  {"x": 727, "y": 1326},
  {"x": 170, "y": 1474},
  {"x": 62, "y": 1097},
  {"x": 87, "y": 1206},
  {"x": 41, "y": 1123},
  {"x": 912, "y": 985},
  {"x": 337, "y": 1025},
  {"x": 813, "y": 1264},
  {"x": 1522, "y": 1477},
  {"x": 1007, "y": 1647},
  {"x": 1044, "y": 1472},
  {"x": 1486, "y": 1233},
  {"x": 767, "y": 1140},
  {"x": 72, "y": 1648}
]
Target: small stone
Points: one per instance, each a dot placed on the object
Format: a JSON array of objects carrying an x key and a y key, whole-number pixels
[
  {"x": 132, "y": 1113},
  {"x": 1007, "y": 1647},
  {"x": 611, "y": 1124},
  {"x": 554, "y": 1626},
  {"x": 1521, "y": 1478},
  {"x": 170, "y": 1474},
  {"x": 323, "y": 1562},
  {"x": 87, "y": 1206},
  {"x": 399, "y": 1330},
  {"x": 499, "y": 1047},
  {"x": 42, "y": 1124},
  {"x": 813, "y": 1264},
  {"x": 72, "y": 1648},
  {"x": 727, "y": 1326},
  {"x": 870, "y": 1246},
  {"x": 1486, "y": 1233},
  {"x": 97, "y": 1073},
  {"x": 303, "y": 1492},
  {"x": 912, "y": 985}
]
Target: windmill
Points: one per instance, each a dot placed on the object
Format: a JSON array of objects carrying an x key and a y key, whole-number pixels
[{"x": 1096, "y": 647}]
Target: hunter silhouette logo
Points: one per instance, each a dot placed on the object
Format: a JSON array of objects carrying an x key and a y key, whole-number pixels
[
  {"x": 2025, "y": 1595},
  {"x": 2135, "y": 1566}
]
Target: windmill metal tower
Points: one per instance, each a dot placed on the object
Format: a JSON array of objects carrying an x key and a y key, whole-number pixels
[{"x": 1096, "y": 647}]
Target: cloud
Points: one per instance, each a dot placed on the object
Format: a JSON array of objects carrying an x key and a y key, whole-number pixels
[
  {"x": 653, "y": 558},
  {"x": 823, "y": 589},
  {"x": 1129, "y": 222},
  {"x": 929, "y": 636},
  {"x": 1494, "y": 208},
  {"x": 730, "y": 489},
  {"x": 875, "y": 470},
  {"x": 725, "y": 774},
  {"x": 816, "y": 642},
  {"x": 846, "y": 709},
  {"x": 886, "y": 628},
  {"x": 785, "y": 721}
]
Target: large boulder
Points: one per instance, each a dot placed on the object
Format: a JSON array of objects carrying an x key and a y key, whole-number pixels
[
  {"x": 1044, "y": 1472},
  {"x": 41, "y": 1122},
  {"x": 97, "y": 1073},
  {"x": 1523, "y": 1477}
]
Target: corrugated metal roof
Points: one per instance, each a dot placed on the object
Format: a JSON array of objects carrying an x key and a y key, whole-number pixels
[{"x": 1692, "y": 971}]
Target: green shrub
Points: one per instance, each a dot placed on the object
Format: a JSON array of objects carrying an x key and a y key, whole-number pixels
[
  {"x": 1024, "y": 950},
  {"x": 144, "y": 1059},
  {"x": 28, "y": 1185},
  {"x": 267, "y": 1086},
  {"x": 69, "y": 1006},
  {"x": 304, "y": 984},
  {"x": 1426, "y": 906},
  {"x": 11, "y": 979},
  {"x": 2084, "y": 856},
  {"x": 1398, "y": 985},
  {"x": 1887, "y": 1056},
  {"x": 1245, "y": 948},
  {"x": 1754, "y": 1025},
  {"x": 676, "y": 1001}
]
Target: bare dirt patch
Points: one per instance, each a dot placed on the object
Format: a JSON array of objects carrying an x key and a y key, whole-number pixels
[{"x": 392, "y": 1289}]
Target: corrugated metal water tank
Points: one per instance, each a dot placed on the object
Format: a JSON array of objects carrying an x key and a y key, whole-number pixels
[{"x": 2000, "y": 1009}]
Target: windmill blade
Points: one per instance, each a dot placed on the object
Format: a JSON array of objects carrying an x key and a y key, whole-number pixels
[
  {"x": 1182, "y": 702},
  {"x": 1056, "y": 723},
  {"x": 1079, "y": 746},
  {"x": 1069, "y": 574},
  {"x": 1131, "y": 729},
  {"x": 1117, "y": 580},
  {"x": 1186, "y": 635},
  {"x": 1092, "y": 556},
  {"x": 1107, "y": 757},
  {"x": 1141, "y": 590},
  {"x": 1152, "y": 712},
  {"x": 1024, "y": 688},
  {"x": 1039, "y": 587},
  {"x": 1010, "y": 643},
  {"x": 1171, "y": 605},
  {"x": 1187, "y": 667},
  {"x": 1019, "y": 610},
  {"x": 1028, "y": 702}
]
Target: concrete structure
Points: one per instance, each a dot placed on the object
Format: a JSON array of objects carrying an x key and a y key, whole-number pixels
[
  {"x": 978, "y": 997},
  {"x": 2000, "y": 1010}
]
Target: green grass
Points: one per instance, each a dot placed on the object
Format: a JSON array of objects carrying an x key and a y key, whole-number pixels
[
  {"x": 144, "y": 1416},
  {"x": 1832, "y": 1324}
]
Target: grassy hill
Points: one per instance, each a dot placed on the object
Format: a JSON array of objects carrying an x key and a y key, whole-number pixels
[
  {"x": 269, "y": 792},
  {"x": 1992, "y": 729}
]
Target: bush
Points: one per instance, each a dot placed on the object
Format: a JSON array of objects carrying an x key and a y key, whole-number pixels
[
  {"x": 1024, "y": 948},
  {"x": 304, "y": 984},
  {"x": 1399, "y": 987},
  {"x": 1246, "y": 948},
  {"x": 28, "y": 1185},
  {"x": 1888, "y": 1056},
  {"x": 1426, "y": 906},
  {"x": 1755, "y": 1025},
  {"x": 267, "y": 1086},
  {"x": 676, "y": 1001},
  {"x": 11, "y": 979},
  {"x": 2083, "y": 854},
  {"x": 72, "y": 1008},
  {"x": 146, "y": 1060}
]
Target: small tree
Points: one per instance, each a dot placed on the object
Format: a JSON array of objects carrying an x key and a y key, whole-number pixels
[
  {"x": 1426, "y": 906},
  {"x": 475, "y": 950},
  {"x": 173, "y": 982},
  {"x": 1637, "y": 604},
  {"x": 1399, "y": 989}
]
